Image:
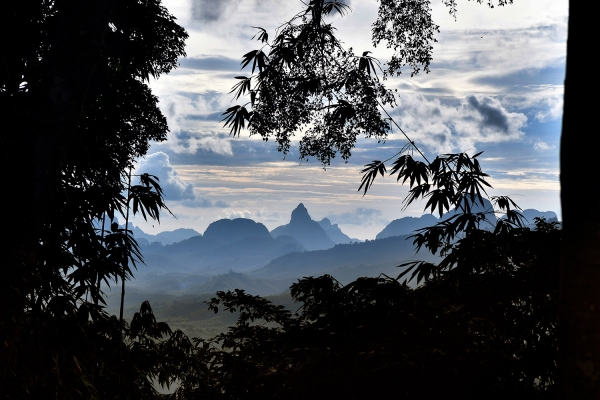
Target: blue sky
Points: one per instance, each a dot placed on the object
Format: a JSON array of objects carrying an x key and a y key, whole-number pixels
[{"x": 496, "y": 84}]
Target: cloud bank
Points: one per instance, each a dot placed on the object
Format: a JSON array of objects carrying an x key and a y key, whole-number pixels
[
  {"x": 446, "y": 128},
  {"x": 192, "y": 123},
  {"x": 174, "y": 188},
  {"x": 358, "y": 216}
]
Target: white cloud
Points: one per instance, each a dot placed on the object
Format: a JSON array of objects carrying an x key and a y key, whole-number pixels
[
  {"x": 553, "y": 109},
  {"x": 159, "y": 165},
  {"x": 543, "y": 146}
]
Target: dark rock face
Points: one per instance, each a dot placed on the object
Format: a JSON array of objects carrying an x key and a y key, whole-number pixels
[{"x": 302, "y": 228}]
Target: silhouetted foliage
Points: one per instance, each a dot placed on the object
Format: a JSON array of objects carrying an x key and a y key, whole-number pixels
[
  {"x": 304, "y": 80},
  {"x": 486, "y": 328},
  {"x": 74, "y": 80}
]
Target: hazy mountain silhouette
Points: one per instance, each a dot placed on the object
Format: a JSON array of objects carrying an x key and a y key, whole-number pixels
[
  {"x": 335, "y": 233},
  {"x": 477, "y": 208},
  {"x": 531, "y": 213},
  {"x": 164, "y": 238},
  {"x": 238, "y": 280},
  {"x": 239, "y": 244},
  {"x": 169, "y": 237},
  {"x": 346, "y": 261},
  {"x": 233, "y": 230},
  {"x": 407, "y": 225},
  {"x": 305, "y": 230},
  {"x": 241, "y": 253}
]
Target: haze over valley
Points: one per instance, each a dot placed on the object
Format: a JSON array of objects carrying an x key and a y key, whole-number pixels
[{"x": 240, "y": 253}]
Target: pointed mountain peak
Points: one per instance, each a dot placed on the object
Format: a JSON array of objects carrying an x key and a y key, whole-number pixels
[{"x": 300, "y": 214}]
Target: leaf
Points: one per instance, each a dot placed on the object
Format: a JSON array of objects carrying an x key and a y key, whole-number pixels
[
  {"x": 241, "y": 87},
  {"x": 262, "y": 34},
  {"x": 370, "y": 173},
  {"x": 440, "y": 199},
  {"x": 235, "y": 117},
  {"x": 258, "y": 58},
  {"x": 408, "y": 168},
  {"x": 342, "y": 113},
  {"x": 341, "y": 8},
  {"x": 368, "y": 63}
]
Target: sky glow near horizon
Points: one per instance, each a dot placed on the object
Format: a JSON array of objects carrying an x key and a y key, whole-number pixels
[{"x": 496, "y": 85}]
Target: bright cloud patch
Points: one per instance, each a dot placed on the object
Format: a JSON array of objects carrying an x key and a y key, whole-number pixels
[
  {"x": 191, "y": 123},
  {"x": 444, "y": 128},
  {"x": 553, "y": 109},
  {"x": 543, "y": 146}
]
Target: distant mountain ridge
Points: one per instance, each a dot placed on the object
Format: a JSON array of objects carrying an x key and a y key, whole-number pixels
[
  {"x": 242, "y": 253},
  {"x": 166, "y": 237},
  {"x": 408, "y": 225}
]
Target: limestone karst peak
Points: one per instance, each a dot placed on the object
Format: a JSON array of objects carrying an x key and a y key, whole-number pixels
[{"x": 300, "y": 214}]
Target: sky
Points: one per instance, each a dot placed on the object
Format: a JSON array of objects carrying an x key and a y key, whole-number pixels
[{"x": 495, "y": 85}]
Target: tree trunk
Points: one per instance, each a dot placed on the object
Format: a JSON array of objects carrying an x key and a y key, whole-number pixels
[{"x": 579, "y": 342}]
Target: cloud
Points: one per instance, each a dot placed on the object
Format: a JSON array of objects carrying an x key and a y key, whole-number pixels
[
  {"x": 445, "y": 128},
  {"x": 174, "y": 188},
  {"x": 191, "y": 125},
  {"x": 261, "y": 215},
  {"x": 358, "y": 216},
  {"x": 210, "y": 11},
  {"x": 493, "y": 115},
  {"x": 543, "y": 146},
  {"x": 552, "y": 109},
  {"x": 211, "y": 63}
]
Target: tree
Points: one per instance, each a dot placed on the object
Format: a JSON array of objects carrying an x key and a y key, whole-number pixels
[
  {"x": 305, "y": 80},
  {"x": 580, "y": 260},
  {"x": 74, "y": 83}
]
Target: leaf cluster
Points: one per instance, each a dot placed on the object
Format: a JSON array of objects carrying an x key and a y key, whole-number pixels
[
  {"x": 303, "y": 80},
  {"x": 451, "y": 182}
]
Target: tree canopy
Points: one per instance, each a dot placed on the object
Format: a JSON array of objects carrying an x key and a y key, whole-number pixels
[
  {"x": 73, "y": 81},
  {"x": 305, "y": 81}
]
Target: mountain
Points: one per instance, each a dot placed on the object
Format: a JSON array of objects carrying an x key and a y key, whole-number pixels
[
  {"x": 407, "y": 225},
  {"x": 335, "y": 233},
  {"x": 344, "y": 261},
  {"x": 239, "y": 244},
  {"x": 305, "y": 230},
  {"x": 166, "y": 237},
  {"x": 238, "y": 280},
  {"x": 232, "y": 230},
  {"x": 531, "y": 213},
  {"x": 478, "y": 208}
]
